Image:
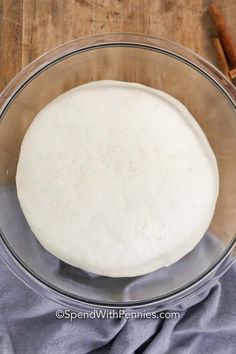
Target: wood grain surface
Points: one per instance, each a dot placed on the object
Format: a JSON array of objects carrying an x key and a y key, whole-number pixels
[{"x": 29, "y": 28}]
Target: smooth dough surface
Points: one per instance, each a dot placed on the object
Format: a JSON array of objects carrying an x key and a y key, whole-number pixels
[{"x": 117, "y": 178}]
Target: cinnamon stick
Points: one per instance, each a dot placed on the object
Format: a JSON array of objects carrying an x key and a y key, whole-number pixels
[
  {"x": 221, "y": 58},
  {"x": 224, "y": 33}
]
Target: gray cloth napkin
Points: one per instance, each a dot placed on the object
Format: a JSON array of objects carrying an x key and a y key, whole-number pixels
[{"x": 28, "y": 325}]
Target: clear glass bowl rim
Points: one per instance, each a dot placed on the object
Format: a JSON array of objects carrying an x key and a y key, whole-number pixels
[{"x": 74, "y": 47}]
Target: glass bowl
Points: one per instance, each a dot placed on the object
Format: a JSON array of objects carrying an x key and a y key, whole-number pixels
[{"x": 154, "y": 62}]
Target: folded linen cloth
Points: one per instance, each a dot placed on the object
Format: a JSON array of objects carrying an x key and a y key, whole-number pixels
[{"x": 206, "y": 324}]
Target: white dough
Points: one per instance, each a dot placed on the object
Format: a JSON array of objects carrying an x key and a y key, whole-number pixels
[{"x": 117, "y": 178}]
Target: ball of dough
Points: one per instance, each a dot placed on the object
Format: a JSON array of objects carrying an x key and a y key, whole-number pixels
[{"x": 117, "y": 178}]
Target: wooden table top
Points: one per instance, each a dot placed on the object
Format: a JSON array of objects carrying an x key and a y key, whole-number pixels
[{"x": 29, "y": 28}]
